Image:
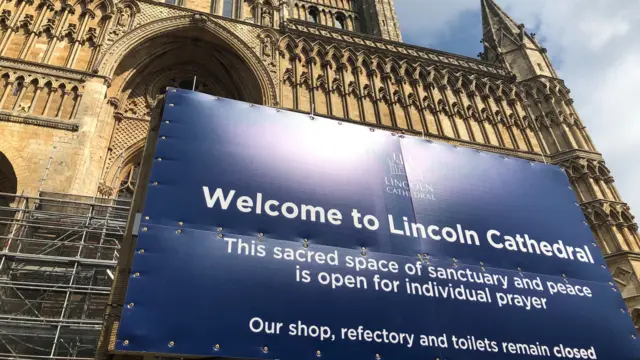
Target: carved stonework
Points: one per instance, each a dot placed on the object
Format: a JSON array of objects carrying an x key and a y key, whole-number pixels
[
  {"x": 230, "y": 32},
  {"x": 47, "y": 4},
  {"x": 621, "y": 275},
  {"x": 92, "y": 33},
  {"x": 48, "y": 27},
  {"x": 446, "y": 60},
  {"x": 114, "y": 102},
  {"x": 43, "y": 73},
  {"x": 200, "y": 20},
  {"x": 267, "y": 49},
  {"x": 66, "y": 7},
  {"x": 5, "y": 17},
  {"x": 24, "y": 108},
  {"x": 268, "y": 53},
  {"x": 26, "y": 119},
  {"x": 71, "y": 30},
  {"x": 124, "y": 18},
  {"x": 267, "y": 17},
  {"x": 26, "y": 23},
  {"x": 105, "y": 190}
]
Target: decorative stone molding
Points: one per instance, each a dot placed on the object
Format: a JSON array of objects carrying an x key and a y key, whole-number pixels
[
  {"x": 55, "y": 73},
  {"x": 27, "y": 22},
  {"x": 268, "y": 54},
  {"x": 39, "y": 121},
  {"x": 200, "y": 20},
  {"x": 92, "y": 33},
  {"x": 114, "y": 102},
  {"x": 609, "y": 213},
  {"x": 365, "y": 42},
  {"x": 5, "y": 17},
  {"x": 120, "y": 158},
  {"x": 48, "y": 27},
  {"x": 622, "y": 275},
  {"x": 578, "y": 166},
  {"x": 568, "y": 155},
  {"x": 116, "y": 52},
  {"x": 126, "y": 14},
  {"x": 105, "y": 190}
]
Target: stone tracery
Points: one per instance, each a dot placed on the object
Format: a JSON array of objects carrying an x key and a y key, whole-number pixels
[{"x": 183, "y": 58}]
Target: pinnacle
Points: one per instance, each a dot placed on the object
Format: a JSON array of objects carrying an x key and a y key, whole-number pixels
[{"x": 494, "y": 17}]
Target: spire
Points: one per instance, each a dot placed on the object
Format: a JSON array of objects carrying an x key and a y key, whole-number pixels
[
  {"x": 499, "y": 30},
  {"x": 506, "y": 43},
  {"x": 494, "y": 19}
]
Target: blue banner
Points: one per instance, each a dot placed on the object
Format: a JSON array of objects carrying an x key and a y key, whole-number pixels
[{"x": 271, "y": 234}]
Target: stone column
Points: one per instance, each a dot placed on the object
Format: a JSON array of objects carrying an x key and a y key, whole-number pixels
[
  {"x": 284, "y": 12},
  {"x": 7, "y": 89},
  {"x": 91, "y": 136},
  {"x": 50, "y": 96},
  {"x": 35, "y": 98}
]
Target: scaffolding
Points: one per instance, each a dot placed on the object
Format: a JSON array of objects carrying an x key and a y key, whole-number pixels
[{"x": 58, "y": 259}]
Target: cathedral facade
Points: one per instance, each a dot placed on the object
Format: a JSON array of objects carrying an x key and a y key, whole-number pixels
[{"x": 78, "y": 80}]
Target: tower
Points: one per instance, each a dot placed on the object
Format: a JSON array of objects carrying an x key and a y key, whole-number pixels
[
  {"x": 507, "y": 44},
  {"x": 382, "y": 19},
  {"x": 374, "y": 17}
]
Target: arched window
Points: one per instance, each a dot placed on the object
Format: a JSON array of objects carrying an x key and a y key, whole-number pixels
[
  {"x": 314, "y": 14},
  {"x": 17, "y": 88},
  {"x": 128, "y": 182},
  {"x": 8, "y": 179},
  {"x": 8, "y": 185},
  {"x": 341, "y": 21}
]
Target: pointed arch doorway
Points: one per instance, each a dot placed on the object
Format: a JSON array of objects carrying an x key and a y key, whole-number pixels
[
  {"x": 8, "y": 186},
  {"x": 190, "y": 58}
]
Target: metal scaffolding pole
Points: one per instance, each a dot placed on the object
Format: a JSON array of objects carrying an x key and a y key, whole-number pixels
[{"x": 57, "y": 256}]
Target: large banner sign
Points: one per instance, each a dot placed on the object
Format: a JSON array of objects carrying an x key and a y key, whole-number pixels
[{"x": 277, "y": 235}]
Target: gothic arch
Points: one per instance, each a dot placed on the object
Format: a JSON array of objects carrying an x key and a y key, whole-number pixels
[
  {"x": 394, "y": 68},
  {"x": 175, "y": 57},
  {"x": 107, "y": 63},
  {"x": 333, "y": 50},
  {"x": 350, "y": 57},
  {"x": 8, "y": 178},
  {"x": 287, "y": 41},
  {"x": 627, "y": 218},
  {"x": 126, "y": 158},
  {"x": 290, "y": 46},
  {"x": 306, "y": 47},
  {"x": 320, "y": 51},
  {"x": 13, "y": 171},
  {"x": 8, "y": 185}
]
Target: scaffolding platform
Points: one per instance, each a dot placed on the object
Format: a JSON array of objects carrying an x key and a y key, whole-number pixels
[{"x": 58, "y": 259}]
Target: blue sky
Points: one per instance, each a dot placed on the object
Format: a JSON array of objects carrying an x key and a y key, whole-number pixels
[
  {"x": 462, "y": 37},
  {"x": 593, "y": 45}
]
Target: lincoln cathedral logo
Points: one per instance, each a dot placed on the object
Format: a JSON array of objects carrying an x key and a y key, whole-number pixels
[
  {"x": 396, "y": 165},
  {"x": 397, "y": 181}
]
